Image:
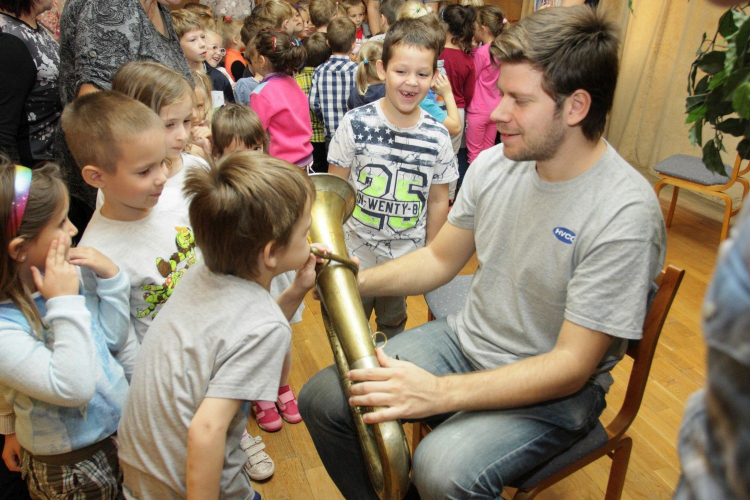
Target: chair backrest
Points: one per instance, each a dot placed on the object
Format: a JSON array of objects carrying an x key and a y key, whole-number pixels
[{"x": 643, "y": 351}]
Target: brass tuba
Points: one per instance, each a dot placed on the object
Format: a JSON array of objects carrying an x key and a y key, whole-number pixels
[{"x": 384, "y": 445}]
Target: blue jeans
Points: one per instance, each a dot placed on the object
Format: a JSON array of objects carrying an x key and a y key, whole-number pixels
[{"x": 468, "y": 454}]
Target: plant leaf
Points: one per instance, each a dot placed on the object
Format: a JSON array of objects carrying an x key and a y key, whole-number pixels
[
  {"x": 693, "y": 102},
  {"x": 743, "y": 148},
  {"x": 712, "y": 62},
  {"x": 703, "y": 85},
  {"x": 630, "y": 5},
  {"x": 712, "y": 158},
  {"x": 726, "y": 24},
  {"x": 718, "y": 79},
  {"x": 732, "y": 126},
  {"x": 742, "y": 37},
  {"x": 698, "y": 113},
  {"x": 741, "y": 100},
  {"x": 696, "y": 134}
]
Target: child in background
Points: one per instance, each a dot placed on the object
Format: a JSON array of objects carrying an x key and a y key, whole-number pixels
[
  {"x": 281, "y": 15},
  {"x": 192, "y": 37},
  {"x": 390, "y": 139},
  {"x": 480, "y": 130},
  {"x": 229, "y": 30},
  {"x": 237, "y": 128},
  {"x": 413, "y": 10},
  {"x": 458, "y": 63},
  {"x": 200, "y": 133},
  {"x": 57, "y": 333},
  {"x": 355, "y": 11},
  {"x": 279, "y": 102},
  {"x": 179, "y": 435},
  {"x": 333, "y": 80},
  {"x": 318, "y": 52},
  {"x": 204, "y": 13},
  {"x": 220, "y": 78},
  {"x": 368, "y": 86},
  {"x": 245, "y": 85},
  {"x": 388, "y": 15},
  {"x": 307, "y": 25},
  {"x": 322, "y": 12}
]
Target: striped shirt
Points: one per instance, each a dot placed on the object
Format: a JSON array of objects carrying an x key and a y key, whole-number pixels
[
  {"x": 304, "y": 80},
  {"x": 392, "y": 169},
  {"x": 331, "y": 83}
]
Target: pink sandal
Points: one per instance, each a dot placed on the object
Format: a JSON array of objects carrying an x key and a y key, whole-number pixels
[
  {"x": 267, "y": 415},
  {"x": 287, "y": 405}
]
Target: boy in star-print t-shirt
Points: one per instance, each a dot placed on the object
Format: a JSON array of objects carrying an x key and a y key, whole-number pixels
[{"x": 400, "y": 160}]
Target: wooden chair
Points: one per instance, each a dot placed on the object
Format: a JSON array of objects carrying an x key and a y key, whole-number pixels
[
  {"x": 689, "y": 172},
  {"x": 610, "y": 440}
]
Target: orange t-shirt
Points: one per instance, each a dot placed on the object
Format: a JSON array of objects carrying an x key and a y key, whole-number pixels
[{"x": 235, "y": 64}]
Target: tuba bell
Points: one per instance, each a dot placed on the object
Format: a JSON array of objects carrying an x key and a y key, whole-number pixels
[{"x": 384, "y": 446}]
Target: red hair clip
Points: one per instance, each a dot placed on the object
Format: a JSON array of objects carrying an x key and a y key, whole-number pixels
[{"x": 227, "y": 18}]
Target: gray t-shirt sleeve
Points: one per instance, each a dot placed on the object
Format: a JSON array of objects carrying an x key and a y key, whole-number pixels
[
  {"x": 258, "y": 357},
  {"x": 463, "y": 210}
]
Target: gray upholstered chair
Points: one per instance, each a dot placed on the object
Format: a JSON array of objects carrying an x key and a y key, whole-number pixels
[{"x": 689, "y": 172}]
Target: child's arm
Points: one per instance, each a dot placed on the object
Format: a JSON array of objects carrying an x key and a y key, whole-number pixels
[
  {"x": 113, "y": 290},
  {"x": 340, "y": 171},
  {"x": 304, "y": 280},
  {"x": 59, "y": 375},
  {"x": 313, "y": 97},
  {"x": 442, "y": 87},
  {"x": 437, "y": 210},
  {"x": 11, "y": 450},
  {"x": 207, "y": 438}
]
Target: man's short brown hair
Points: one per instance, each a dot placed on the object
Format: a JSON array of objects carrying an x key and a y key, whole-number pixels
[
  {"x": 575, "y": 48},
  {"x": 247, "y": 201},
  {"x": 342, "y": 33},
  {"x": 97, "y": 124}
]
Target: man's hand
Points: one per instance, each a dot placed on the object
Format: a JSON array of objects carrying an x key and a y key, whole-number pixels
[
  {"x": 402, "y": 388},
  {"x": 12, "y": 453},
  {"x": 94, "y": 260}
]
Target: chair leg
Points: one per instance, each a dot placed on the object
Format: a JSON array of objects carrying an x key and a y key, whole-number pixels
[
  {"x": 727, "y": 215},
  {"x": 416, "y": 435},
  {"x": 620, "y": 459},
  {"x": 672, "y": 205}
]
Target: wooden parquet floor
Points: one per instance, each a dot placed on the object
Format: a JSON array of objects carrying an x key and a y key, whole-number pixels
[{"x": 678, "y": 371}]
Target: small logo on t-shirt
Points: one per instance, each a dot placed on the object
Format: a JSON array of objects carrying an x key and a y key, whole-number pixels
[{"x": 565, "y": 235}]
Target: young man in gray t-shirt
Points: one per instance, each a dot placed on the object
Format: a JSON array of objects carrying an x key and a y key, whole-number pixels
[{"x": 568, "y": 238}]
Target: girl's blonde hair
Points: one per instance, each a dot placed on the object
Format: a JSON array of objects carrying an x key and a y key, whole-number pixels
[
  {"x": 366, "y": 67},
  {"x": 471, "y": 3},
  {"x": 203, "y": 83},
  {"x": 153, "y": 84},
  {"x": 276, "y": 11},
  {"x": 413, "y": 10},
  {"x": 493, "y": 18},
  {"x": 227, "y": 28},
  {"x": 47, "y": 194}
]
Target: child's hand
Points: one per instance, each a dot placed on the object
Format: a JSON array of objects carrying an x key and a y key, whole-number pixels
[
  {"x": 60, "y": 276},
  {"x": 305, "y": 277},
  {"x": 442, "y": 86},
  {"x": 202, "y": 137},
  {"x": 94, "y": 260},
  {"x": 12, "y": 453}
]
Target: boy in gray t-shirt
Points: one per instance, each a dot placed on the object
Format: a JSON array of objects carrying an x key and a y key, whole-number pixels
[{"x": 221, "y": 339}]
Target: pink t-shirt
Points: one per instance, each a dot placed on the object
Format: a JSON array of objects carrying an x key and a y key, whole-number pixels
[
  {"x": 486, "y": 95},
  {"x": 283, "y": 110}
]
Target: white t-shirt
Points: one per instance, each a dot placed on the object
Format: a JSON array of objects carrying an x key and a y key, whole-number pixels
[{"x": 392, "y": 169}]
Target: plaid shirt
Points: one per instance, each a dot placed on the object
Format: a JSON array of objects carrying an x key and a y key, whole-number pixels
[
  {"x": 304, "y": 80},
  {"x": 331, "y": 83}
]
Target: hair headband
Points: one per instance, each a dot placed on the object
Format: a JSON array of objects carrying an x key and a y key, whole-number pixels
[{"x": 21, "y": 186}]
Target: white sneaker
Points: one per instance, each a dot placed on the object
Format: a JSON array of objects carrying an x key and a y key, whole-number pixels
[{"x": 259, "y": 465}]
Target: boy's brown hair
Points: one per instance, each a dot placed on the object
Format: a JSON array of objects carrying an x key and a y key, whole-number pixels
[
  {"x": 317, "y": 49},
  {"x": 347, "y": 4},
  {"x": 235, "y": 121},
  {"x": 412, "y": 33},
  {"x": 97, "y": 124},
  {"x": 250, "y": 27},
  {"x": 276, "y": 11},
  {"x": 204, "y": 13},
  {"x": 389, "y": 9},
  {"x": 575, "y": 48},
  {"x": 341, "y": 35},
  {"x": 322, "y": 11},
  {"x": 247, "y": 201},
  {"x": 185, "y": 21}
]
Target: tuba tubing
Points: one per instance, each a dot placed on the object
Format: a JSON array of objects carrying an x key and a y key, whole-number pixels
[{"x": 384, "y": 446}]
